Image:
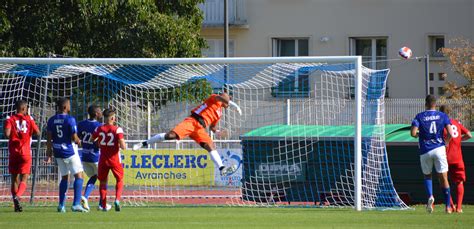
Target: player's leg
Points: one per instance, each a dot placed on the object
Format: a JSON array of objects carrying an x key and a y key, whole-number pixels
[
  {"x": 458, "y": 177},
  {"x": 181, "y": 131},
  {"x": 90, "y": 168},
  {"x": 203, "y": 139},
  {"x": 117, "y": 171},
  {"x": 24, "y": 171},
  {"x": 75, "y": 167},
  {"x": 14, "y": 189},
  {"x": 441, "y": 166},
  {"x": 426, "y": 162},
  {"x": 63, "y": 184},
  {"x": 102, "y": 175},
  {"x": 22, "y": 184}
]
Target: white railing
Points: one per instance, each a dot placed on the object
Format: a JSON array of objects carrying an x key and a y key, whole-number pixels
[
  {"x": 214, "y": 12},
  {"x": 404, "y": 110}
]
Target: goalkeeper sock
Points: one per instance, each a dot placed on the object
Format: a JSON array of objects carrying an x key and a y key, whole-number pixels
[
  {"x": 429, "y": 187},
  {"x": 62, "y": 191},
  {"x": 460, "y": 194},
  {"x": 155, "y": 139},
  {"x": 21, "y": 189},
  {"x": 77, "y": 190},
  {"x": 90, "y": 186},
  {"x": 216, "y": 158},
  {"x": 447, "y": 197}
]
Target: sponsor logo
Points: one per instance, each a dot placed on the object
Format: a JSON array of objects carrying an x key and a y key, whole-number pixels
[{"x": 270, "y": 169}]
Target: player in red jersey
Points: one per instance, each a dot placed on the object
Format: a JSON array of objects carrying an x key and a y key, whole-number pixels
[
  {"x": 456, "y": 171},
  {"x": 110, "y": 140},
  {"x": 19, "y": 128},
  {"x": 205, "y": 115}
]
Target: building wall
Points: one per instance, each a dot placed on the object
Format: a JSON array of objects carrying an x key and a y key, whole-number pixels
[{"x": 403, "y": 22}]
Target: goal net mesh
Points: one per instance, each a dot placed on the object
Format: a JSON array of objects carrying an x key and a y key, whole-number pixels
[{"x": 292, "y": 145}]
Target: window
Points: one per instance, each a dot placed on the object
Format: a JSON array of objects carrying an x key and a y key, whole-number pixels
[
  {"x": 431, "y": 76},
  {"x": 440, "y": 91},
  {"x": 372, "y": 50},
  {"x": 296, "y": 85},
  {"x": 431, "y": 90},
  {"x": 442, "y": 76},
  {"x": 216, "y": 48},
  {"x": 435, "y": 44}
]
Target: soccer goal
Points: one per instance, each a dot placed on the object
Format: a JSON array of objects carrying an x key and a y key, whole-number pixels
[{"x": 311, "y": 134}]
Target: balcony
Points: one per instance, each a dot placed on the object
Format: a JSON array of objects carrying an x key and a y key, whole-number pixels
[{"x": 214, "y": 13}]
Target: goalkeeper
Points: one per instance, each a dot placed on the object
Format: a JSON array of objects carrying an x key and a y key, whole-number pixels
[{"x": 194, "y": 126}]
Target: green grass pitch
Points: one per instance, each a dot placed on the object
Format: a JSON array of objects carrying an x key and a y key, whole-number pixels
[{"x": 235, "y": 217}]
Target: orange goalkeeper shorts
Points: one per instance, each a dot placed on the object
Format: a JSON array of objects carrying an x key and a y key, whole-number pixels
[{"x": 192, "y": 128}]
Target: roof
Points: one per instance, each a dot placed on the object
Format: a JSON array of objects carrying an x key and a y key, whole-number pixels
[{"x": 399, "y": 133}]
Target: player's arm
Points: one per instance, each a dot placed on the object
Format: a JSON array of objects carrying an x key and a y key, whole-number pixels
[
  {"x": 36, "y": 130},
  {"x": 466, "y": 134},
  {"x": 49, "y": 147},
  {"x": 74, "y": 136},
  {"x": 414, "y": 131},
  {"x": 414, "y": 128},
  {"x": 121, "y": 139},
  {"x": 7, "y": 130}
]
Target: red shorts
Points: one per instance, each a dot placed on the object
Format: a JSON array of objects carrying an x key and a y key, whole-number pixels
[
  {"x": 103, "y": 171},
  {"x": 19, "y": 164},
  {"x": 192, "y": 128},
  {"x": 457, "y": 173}
]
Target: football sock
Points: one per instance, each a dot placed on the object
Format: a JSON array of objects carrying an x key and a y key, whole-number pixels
[
  {"x": 119, "y": 189},
  {"x": 429, "y": 187},
  {"x": 21, "y": 189},
  {"x": 156, "y": 138},
  {"x": 103, "y": 194},
  {"x": 216, "y": 158},
  {"x": 447, "y": 196},
  {"x": 90, "y": 186},
  {"x": 62, "y": 191},
  {"x": 78, "y": 182},
  {"x": 460, "y": 194},
  {"x": 13, "y": 190}
]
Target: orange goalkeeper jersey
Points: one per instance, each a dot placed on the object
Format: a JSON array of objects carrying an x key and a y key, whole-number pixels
[{"x": 210, "y": 110}]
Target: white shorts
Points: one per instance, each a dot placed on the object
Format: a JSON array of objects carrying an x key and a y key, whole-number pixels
[
  {"x": 71, "y": 164},
  {"x": 90, "y": 168},
  {"x": 437, "y": 157}
]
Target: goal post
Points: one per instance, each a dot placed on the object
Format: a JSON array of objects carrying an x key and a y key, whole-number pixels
[{"x": 153, "y": 95}]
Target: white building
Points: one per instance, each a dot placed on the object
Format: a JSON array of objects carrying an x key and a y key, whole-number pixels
[{"x": 375, "y": 29}]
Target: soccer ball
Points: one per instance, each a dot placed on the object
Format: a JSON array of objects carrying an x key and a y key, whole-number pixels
[{"x": 405, "y": 52}]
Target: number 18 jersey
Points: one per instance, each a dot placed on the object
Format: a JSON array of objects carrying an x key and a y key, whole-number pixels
[{"x": 430, "y": 124}]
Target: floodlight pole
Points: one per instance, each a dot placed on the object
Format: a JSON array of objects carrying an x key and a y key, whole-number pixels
[{"x": 427, "y": 74}]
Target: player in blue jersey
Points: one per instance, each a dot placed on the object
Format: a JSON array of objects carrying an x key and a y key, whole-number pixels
[
  {"x": 63, "y": 141},
  {"x": 90, "y": 151},
  {"x": 428, "y": 126}
]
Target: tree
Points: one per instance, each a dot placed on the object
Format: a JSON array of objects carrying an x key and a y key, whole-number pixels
[
  {"x": 95, "y": 28},
  {"x": 461, "y": 59}
]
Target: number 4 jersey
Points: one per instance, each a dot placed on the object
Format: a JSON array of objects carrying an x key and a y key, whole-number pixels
[
  {"x": 85, "y": 129},
  {"x": 430, "y": 124},
  {"x": 108, "y": 137}
]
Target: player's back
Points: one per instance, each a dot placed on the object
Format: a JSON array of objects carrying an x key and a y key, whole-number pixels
[
  {"x": 62, "y": 127},
  {"x": 431, "y": 124},
  {"x": 108, "y": 137},
  {"x": 453, "y": 150},
  {"x": 210, "y": 110},
  {"x": 22, "y": 129},
  {"x": 85, "y": 129}
]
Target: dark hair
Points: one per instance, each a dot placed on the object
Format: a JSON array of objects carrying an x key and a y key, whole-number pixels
[
  {"x": 430, "y": 101},
  {"x": 20, "y": 103},
  {"x": 92, "y": 110},
  {"x": 61, "y": 102},
  {"x": 445, "y": 109},
  {"x": 108, "y": 112}
]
